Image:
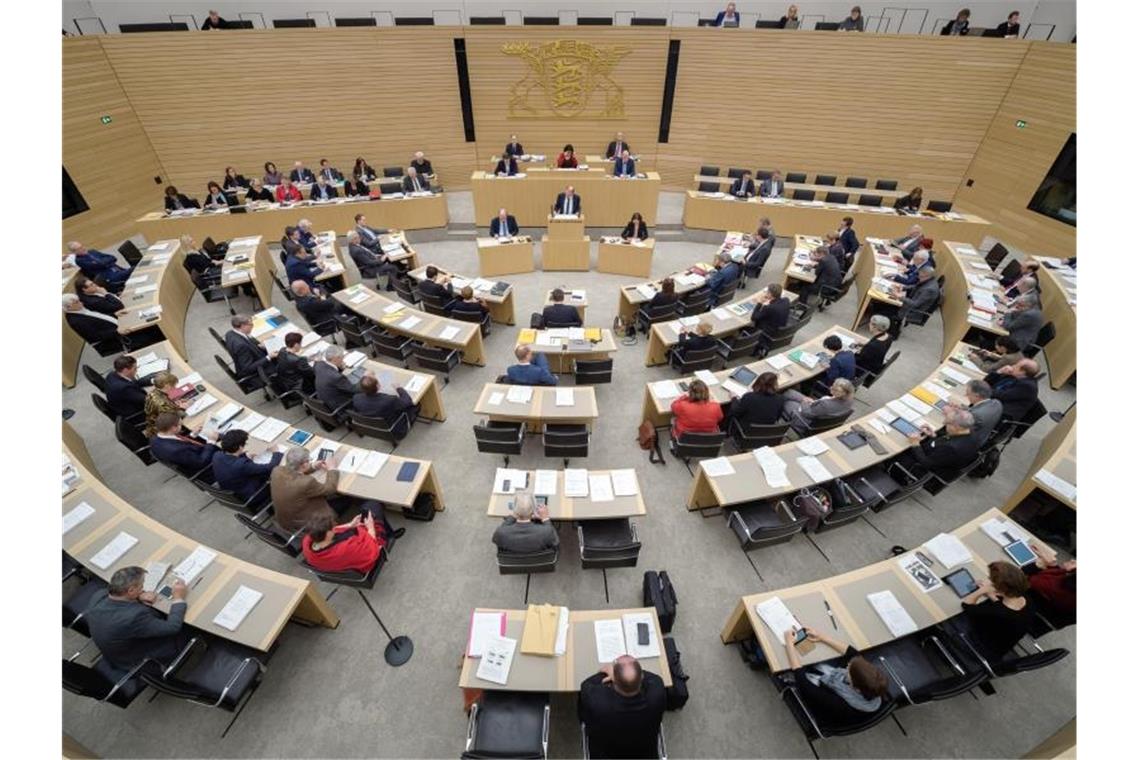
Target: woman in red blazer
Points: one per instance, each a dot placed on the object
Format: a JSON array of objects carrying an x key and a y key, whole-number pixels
[
  {"x": 696, "y": 412},
  {"x": 339, "y": 548},
  {"x": 287, "y": 192},
  {"x": 567, "y": 159}
]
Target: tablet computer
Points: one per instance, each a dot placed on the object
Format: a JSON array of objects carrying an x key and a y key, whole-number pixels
[
  {"x": 1020, "y": 553},
  {"x": 961, "y": 581},
  {"x": 300, "y": 437},
  {"x": 744, "y": 376},
  {"x": 904, "y": 427}
]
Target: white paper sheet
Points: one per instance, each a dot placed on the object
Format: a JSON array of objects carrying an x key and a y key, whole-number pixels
[
  {"x": 237, "y": 608},
  {"x": 609, "y": 635},
  {"x": 563, "y": 631},
  {"x": 955, "y": 375},
  {"x": 629, "y": 623},
  {"x": 509, "y": 480},
  {"x": 1060, "y": 485},
  {"x": 248, "y": 422},
  {"x": 576, "y": 483},
  {"x": 917, "y": 404},
  {"x": 814, "y": 468},
  {"x": 564, "y": 397},
  {"x": 735, "y": 389},
  {"x": 897, "y": 620},
  {"x": 708, "y": 378},
  {"x": 776, "y": 616},
  {"x": 601, "y": 488},
  {"x": 484, "y": 627},
  {"x": 545, "y": 482},
  {"x": 996, "y": 528},
  {"x": 449, "y": 332},
  {"x": 372, "y": 464},
  {"x": 949, "y": 550},
  {"x": 76, "y": 515},
  {"x": 197, "y": 561},
  {"x": 352, "y": 460},
  {"x": 813, "y": 446},
  {"x": 201, "y": 404},
  {"x": 520, "y": 394},
  {"x": 495, "y": 664},
  {"x": 115, "y": 548},
  {"x": 415, "y": 383},
  {"x": 407, "y": 323},
  {"x": 778, "y": 362},
  {"x": 625, "y": 482},
  {"x": 665, "y": 389},
  {"x": 269, "y": 429},
  {"x": 496, "y": 398},
  {"x": 718, "y": 467}
]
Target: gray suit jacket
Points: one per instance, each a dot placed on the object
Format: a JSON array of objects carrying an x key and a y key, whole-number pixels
[
  {"x": 525, "y": 538},
  {"x": 1023, "y": 326},
  {"x": 924, "y": 298},
  {"x": 126, "y": 632},
  {"x": 987, "y": 414}
]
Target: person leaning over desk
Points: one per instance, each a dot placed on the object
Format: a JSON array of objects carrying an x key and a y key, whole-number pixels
[
  {"x": 910, "y": 202},
  {"x": 567, "y": 159},
  {"x": 666, "y": 295},
  {"x": 467, "y": 303},
  {"x": 126, "y": 630},
  {"x": 836, "y": 694},
  {"x": 763, "y": 404},
  {"x": 943, "y": 454},
  {"x": 333, "y": 388},
  {"x": 298, "y": 497},
  {"x": 1005, "y": 353},
  {"x": 436, "y": 284},
  {"x": 635, "y": 228}
]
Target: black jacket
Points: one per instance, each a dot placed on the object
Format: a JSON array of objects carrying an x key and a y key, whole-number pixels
[
  {"x": 642, "y": 231},
  {"x": 772, "y": 316},
  {"x": 315, "y": 192},
  {"x": 944, "y": 454},
  {"x": 246, "y": 353},
  {"x": 510, "y": 168},
  {"x": 125, "y": 397},
  {"x": 384, "y": 406},
  {"x": 294, "y": 372},
  {"x": 693, "y": 342},
  {"x": 828, "y": 273},
  {"x": 755, "y": 408},
  {"x": 742, "y": 188},
  {"x": 432, "y": 288},
  {"x": 187, "y": 456},
  {"x": 873, "y": 353},
  {"x": 333, "y": 388},
  {"x": 512, "y": 227},
  {"x": 126, "y": 632},
  {"x": 619, "y": 726},
  {"x": 304, "y": 175},
  {"x": 613, "y": 151},
  {"x": 1017, "y": 395},
  {"x": 575, "y": 204},
  {"x": 561, "y": 314},
  {"x": 105, "y": 304},
  {"x": 409, "y": 186},
  {"x": 186, "y": 202},
  {"x": 315, "y": 309},
  {"x": 91, "y": 329},
  {"x": 259, "y": 195},
  {"x": 352, "y": 188}
]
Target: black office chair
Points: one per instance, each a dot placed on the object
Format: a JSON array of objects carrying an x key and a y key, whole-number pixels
[
  {"x": 786, "y": 334},
  {"x": 246, "y": 384},
  {"x": 525, "y": 563},
  {"x": 754, "y": 264},
  {"x": 129, "y": 434},
  {"x": 829, "y": 295},
  {"x": 885, "y": 486},
  {"x": 865, "y": 378},
  {"x": 565, "y": 441},
  {"x": 996, "y": 255},
  {"x": 389, "y": 188},
  {"x": 216, "y": 336},
  {"x": 94, "y": 378},
  {"x": 405, "y": 291},
  {"x": 819, "y": 425},
  {"x": 289, "y": 397},
  {"x": 209, "y": 285},
  {"x": 377, "y": 427},
  {"x": 688, "y": 362},
  {"x": 593, "y": 371},
  {"x": 708, "y": 187},
  {"x": 433, "y": 305},
  {"x": 836, "y": 197},
  {"x": 939, "y": 206},
  {"x": 1044, "y": 337},
  {"x": 855, "y": 182},
  {"x": 222, "y": 674},
  {"x": 483, "y": 320},
  {"x": 503, "y": 438},
  {"x": 102, "y": 405},
  {"x": 227, "y": 498},
  {"x": 392, "y": 346},
  {"x": 696, "y": 446},
  {"x": 110, "y": 346},
  {"x": 815, "y": 727},
  {"x": 764, "y": 523},
  {"x": 763, "y": 174},
  {"x": 436, "y": 359},
  {"x": 824, "y": 179},
  {"x": 796, "y": 177},
  {"x": 76, "y": 603},
  {"x": 727, "y": 293},
  {"x": 871, "y": 200},
  {"x": 693, "y": 303},
  {"x": 710, "y": 171},
  {"x": 355, "y": 332},
  {"x": 923, "y": 669},
  {"x": 739, "y": 346},
  {"x": 392, "y": 171},
  {"x": 803, "y": 195},
  {"x": 941, "y": 478},
  {"x": 735, "y": 173},
  {"x": 886, "y": 184},
  {"x": 130, "y": 253},
  {"x": 103, "y": 683},
  {"x": 647, "y": 316},
  {"x": 285, "y": 292},
  {"x": 504, "y": 724},
  {"x": 269, "y": 532},
  {"x": 608, "y": 544},
  {"x": 753, "y": 436},
  {"x": 328, "y": 419}
]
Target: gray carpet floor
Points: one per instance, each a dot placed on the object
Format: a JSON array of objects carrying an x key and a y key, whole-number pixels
[{"x": 328, "y": 693}]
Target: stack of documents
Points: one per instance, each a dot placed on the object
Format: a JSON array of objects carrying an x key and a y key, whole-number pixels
[
  {"x": 618, "y": 636},
  {"x": 814, "y": 468},
  {"x": 372, "y": 464},
  {"x": 897, "y": 620},
  {"x": 495, "y": 662},
  {"x": 718, "y": 467},
  {"x": 774, "y": 468},
  {"x": 545, "y": 482},
  {"x": 485, "y": 626},
  {"x": 777, "y": 616},
  {"x": 540, "y": 629},
  {"x": 949, "y": 550},
  {"x": 76, "y": 515}
]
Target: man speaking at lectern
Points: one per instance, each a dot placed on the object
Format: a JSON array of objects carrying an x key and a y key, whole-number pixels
[{"x": 568, "y": 202}]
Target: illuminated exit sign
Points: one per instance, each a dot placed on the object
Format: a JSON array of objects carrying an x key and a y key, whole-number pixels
[
  {"x": 107, "y": 119},
  {"x": 1020, "y": 124}
]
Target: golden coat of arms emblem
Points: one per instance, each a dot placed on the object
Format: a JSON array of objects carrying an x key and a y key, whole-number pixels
[{"x": 566, "y": 79}]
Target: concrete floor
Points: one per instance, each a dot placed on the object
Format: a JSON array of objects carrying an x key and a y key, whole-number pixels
[{"x": 329, "y": 694}]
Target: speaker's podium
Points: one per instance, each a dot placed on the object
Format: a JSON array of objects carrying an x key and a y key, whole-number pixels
[{"x": 565, "y": 246}]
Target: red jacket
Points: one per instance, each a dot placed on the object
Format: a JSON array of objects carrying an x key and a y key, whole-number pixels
[
  {"x": 1050, "y": 586},
  {"x": 359, "y": 552},
  {"x": 567, "y": 163},
  {"x": 696, "y": 416},
  {"x": 292, "y": 194}
]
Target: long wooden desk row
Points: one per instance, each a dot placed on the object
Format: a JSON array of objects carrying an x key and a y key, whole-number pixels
[
  {"x": 270, "y": 219},
  {"x": 1058, "y": 285},
  {"x": 873, "y": 269},
  {"x": 537, "y": 404},
  {"x": 283, "y": 596},
  {"x": 608, "y": 201},
  {"x": 793, "y": 186},
  {"x": 1054, "y": 469},
  {"x": 601, "y": 502},
  {"x": 710, "y": 211},
  {"x": 632, "y": 297},
  {"x": 747, "y": 481},
  {"x": 970, "y": 293},
  {"x": 269, "y": 434},
  {"x": 855, "y": 620},
  {"x": 792, "y": 367},
  {"x": 561, "y": 346},
  {"x": 724, "y": 320}
]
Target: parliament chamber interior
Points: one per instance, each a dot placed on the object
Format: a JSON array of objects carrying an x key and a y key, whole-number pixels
[{"x": 613, "y": 380}]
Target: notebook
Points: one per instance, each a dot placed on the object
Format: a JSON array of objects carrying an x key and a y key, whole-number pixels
[{"x": 407, "y": 472}]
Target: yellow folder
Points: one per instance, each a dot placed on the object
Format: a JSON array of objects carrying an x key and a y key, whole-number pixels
[
  {"x": 924, "y": 395},
  {"x": 593, "y": 333},
  {"x": 527, "y": 336},
  {"x": 540, "y": 629}
]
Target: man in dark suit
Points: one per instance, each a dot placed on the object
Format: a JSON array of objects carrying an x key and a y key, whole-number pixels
[
  {"x": 759, "y": 250},
  {"x": 301, "y": 265},
  {"x": 848, "y": 237},
  {"x": 743, "y": 187},
  {"x": 1015, "y": 386},
  {"x": 371, "y": 264},
  {"x": 909, "y": 243},
  {"x": 322, "y": 190},
  {"x": 770, "y": 313},
  {"x": 294, "y": 372},
  {"x": 922, "y": 298},
  {"x": 92, "y": 326},
  {"x": 514, "y": 147},
  {"x": 187, "y": 455},
  {"x": 98, "y": 265},
  {"x": 314, "y": 306},
  {"x": 236, "y": 472},
  {"x": 528, "y": 531},
  {"x": 369, "y": 236},
  {"x": 507, "y": 166},
  {"x": 559, "y": 313},
  {"x": 371, "y": 401},
  {"x": 96, "y": 298},
  {"x": 127, "y": 630},
  {"x": 625, "y": 166},
  {"x": 301, "y": 174},
  {"x": 568, "y": 202},
  {"x": 332, "y": 387},
  {"x": 828, "y": 273},
  {"x": 1024, "y": 319},
  {"x": 773, "y": 187},
  {"x": 305, "y": 235},
  {"x": 436, "y": 284},
  {"x": 909, "y": 277},
  {"x": 414, "y": 183},
  {"x": 621, "y": 709},
  {"x": 504, "y": 225},
  {"x": 947, "y": 453},
  {"x": 617, "y": 146},
  {"x": 247, "y": 354},
  {"x": 126, "y": 394},
  {"x": 328, "y": 172}
]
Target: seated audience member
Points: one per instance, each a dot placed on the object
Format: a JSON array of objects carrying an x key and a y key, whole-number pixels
[
  {"x": 848, "y": 237},
  {"x": 528, "y": 531},
  {"x": 621, "y": 708},
  {"x": 998, "y": 614},
  {"x": 323, "y": 190},
  {"x": 841, "y": 693},
  {"x": 854, "y": 22},
  {"x": 923, "y": 299},
  {"x": 467, "y": 304},
  {"x": 371, "y": 265},
  {"x": 1023, "y": 286},
  {"x": 126, "y": 393},
  {"x": 186, "y": 454},
  {"x": 385, "y": 404},
  {"x": 158, "y": 401},
  {"x": 635, "y": 229},
  {"x": 568, "y": 202},
  {"x": 301, "y": 265},
  {"x": 943, "y": 454},
  {"x": 301, "y": 174},
  {"x": 908, "y": 278},
  {"x": 700, "y": 339},
  {"x": 791, "y": 18},
  {"x": 287, "y": 192},
  {"x": 414, "y": 183},
  {"x": 666, "y": 295},
  {"x": 567, "y": 159},
  {"x": 247, "y": 354},
  {"x": 258, "y": 192},
  {"x": 507, "y": 166},
  {"x": 306, "y": 235},
  {"x": 91, "y": 325},
  {"x": 298, "y": 497},
  {"x": 1053, "y": 588},
  {"x": 98, "y": 266},
  {"x": 1024, "y": 320},
  {"x": 759, "y": 250},
  {"x": 363, "y": 170},
  {"x": 986, "y": 410},
  {"x": 773, "y": 187},
  {"x": 333, "y": 388},
  {"x": 355, "y": 187},
  {"x": 828, "y": 273},
  {"x": 560, "y": 314},
  {"x": 728, "y": 17},
  {"x": 1015, "y": 386},
  {"x": 314, "y": 305},
  {"x": 369, "y": 236},
  {"x": 908, "y": 244},
  {"x": 762, "y": 405},
  {"x": 236, "y": 472},
  {"x": 727, "y": 274},
  {"x": 532, "y": 368},
  {"x": 1005, "y": 352},
  {"x": 959, "y": 26},
  {"x": 127, "y": 630},
  {"x": 1011, "y": 27},
  {"x": 96, "y": 298},
  {"x": 842, "y": 361},
  {"x": 838, "y": 252},
  {"x": 696, "y": 411},
  {"x": 176, "y": 201},
  {"x": 422, "y": 165},
  {"x": 197, "y": 261},
  {"x": 327, "y": 171},
  {"x": 514, "y": 147},
  {"x": 1026, "y": 268},
  {"x": 214, "y": 22},
  {"x": 504, "y": 225},
  {"x": 436, "y": 284},
  {"x": 802, "y": 411},
  {"x": 770, "y": 313},
  {"x": 872, "y": 354},
  {"x": 743, "y": 187},
  {"x": 616, "y": 146},
  {"x": 911, "y": 202},
  {"x": 354, "y": 546},
  {"x": 216, "y": 198},
  {"x": 625, "y": 166},
  {"x": 294, "y": 372},
  {"x": 272, "y": 176}
]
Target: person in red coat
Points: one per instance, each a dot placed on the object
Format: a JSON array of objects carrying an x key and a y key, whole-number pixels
[
  {"x": 696, "y": 412},
  {"x": 287, "y": 192},
  {"x": 1053, "y": 586},
  {"x": 356, "y": 545}
]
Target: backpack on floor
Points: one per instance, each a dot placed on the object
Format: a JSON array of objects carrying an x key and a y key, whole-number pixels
[
  {"x": 678, "y": 694},
  {"x": 536, "y": 322},
  {"x": 657, "y": 592},
  {"x": 990, "y": 461},
  {"x": 423, "y": 508}
]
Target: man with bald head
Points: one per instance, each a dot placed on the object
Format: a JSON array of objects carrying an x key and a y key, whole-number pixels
[
  {"x": 504, "y": 225},
  {"x": 422, "y": 165},
  {"x": 532, "y": 368},
  {"x": 301, "y": 173},
  {"x": 1015, "y": 386},
  {"x": 621, "y": 708},
  {"x": 96, "y": 265}
]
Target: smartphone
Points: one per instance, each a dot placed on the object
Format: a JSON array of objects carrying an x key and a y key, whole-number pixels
[
  {"x": 800, "y": 635},
  {"x": 506, "y": 486},
  {"x": 165, "y": 592},
  {"x": 924, "y": 559},
  {"x": 324, "y": 454},
  {"x": 643, "y": 634}
]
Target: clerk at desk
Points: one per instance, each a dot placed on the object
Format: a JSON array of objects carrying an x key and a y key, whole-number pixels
[
  {"x": 504, "y": 225},
  {"x": 625, "y": 166},
  {"x": 568, "y": 202}
]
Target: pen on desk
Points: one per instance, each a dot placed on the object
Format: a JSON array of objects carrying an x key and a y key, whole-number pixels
[
  {"x": 830, "y": 615},
  {"x": 195, "y": 585}
]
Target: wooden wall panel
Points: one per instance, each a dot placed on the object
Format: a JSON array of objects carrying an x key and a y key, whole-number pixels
[
  {"x": 1011, "y": 163},
  {"x": 908, "y": 108},
  {"x": 112, "y": 165},
  {"x": 641, "y": 74},
  {"x": 295, "y": 94}
]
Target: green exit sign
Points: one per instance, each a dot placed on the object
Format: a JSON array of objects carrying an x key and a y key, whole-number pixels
[
  {"x": 107, "y": 119},
  {"x": 1020, "y": 124}
]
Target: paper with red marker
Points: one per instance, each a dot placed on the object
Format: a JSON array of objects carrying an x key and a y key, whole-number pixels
[{"x": 485, "y": 626}]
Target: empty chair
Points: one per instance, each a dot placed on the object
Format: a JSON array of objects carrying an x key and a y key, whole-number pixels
[
  {"x": 735, "y": 173},
  {"x": 803, "y": 195},
  {"x": 1044, "y": 337},
  {"x": 226, "y": 498},
  {"x": 710, "y": 171},
  {"x": 433, "y": 305},
  {"x": 102, "y": 683},
  {"x": 847, "y": 506},
  {"x": 763, "y": 523},
  {"x": 216, "y": 336},
  {"x": 76, "y": 603},
  {"x": 647, "y": 315},
  {"x": 377, "y": 427},
  {"x": 101, "y": 404},
  {"x": 392, "y": 346},
  {"x": 939, "y": 206},
  {"x": 483, "y": 320},
  {"x": 871, "y": 200},
  {"x": 690, "y": 445},
  {"x": 328, "y": 419},
  {"x": 271, "y": 533},
  {"x": 128, "y": 434},
  {"x": 405, "y": 290},
  {"x": 504, "y": 438},
  {"x": 389, "y": 188},
  {"x": 940, "y": 479},
  {"x": 95, "y": 378},
  {"x": 691, "y": 304},
  {"x": 824, "y": 179},
  {"x": 525, "y": 563},
  {"x": 799, "y": 177},
  {"x": 592, "y": 372},
  {"x": 996, "y": 255},
  {"x": 540, "y": 21},
  {"x": 836, "y": 197},
  {"x": 436, "y": 359},
  {"x": 209, "y": 285},
  {"x": 855, "y": 182},
  {"x": 508, "y": 724},
  {"x": 1011, "y": 271},
  {"x": 131, "y": 253},
  {"x": 708, "y": 187},
  {"x": 565, "y": 441},
  {"x": 738, "y": 346},
  {"x": 247, "y": 384},
  {"x": 647, "y": 21},
  {"x": 393, "y": 171},
  {"x": 829, "y": 295},
  {"x": 886, "y": 184},
  {"x": 355, "y": 334},
  {"x": 886, "y": 486},
  {"x": 285, "y": 292},
  {"x": 753, "y": 436},
  {"x": 604, "y": 544},
  {"x": 690, "y": 361},
  {"x": 921, "y": 670}
]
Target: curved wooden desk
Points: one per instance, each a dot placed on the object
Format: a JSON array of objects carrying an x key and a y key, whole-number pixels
[
  {"x": 1059, "y": 305},
  {"x": 724, "y": 320},
  {"x": 873, "y": 269},
  {"x": 1054, "y": 469},
  {"x": 501, "y": 307},
  {"x": 965, "y": 271}
]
